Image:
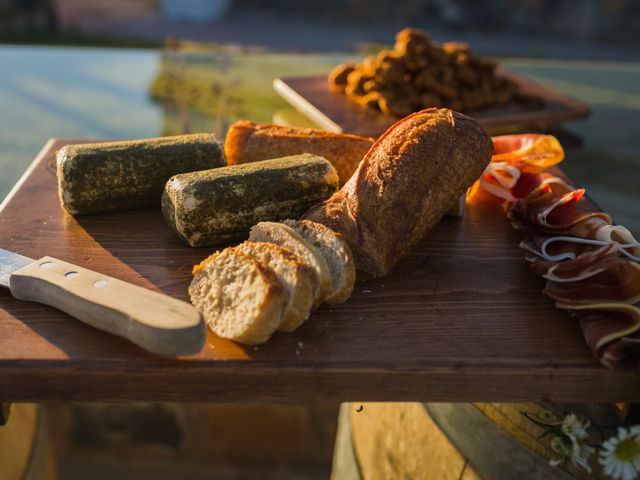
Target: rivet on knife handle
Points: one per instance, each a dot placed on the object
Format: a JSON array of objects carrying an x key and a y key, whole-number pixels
[{"x": 156, "y": 322}]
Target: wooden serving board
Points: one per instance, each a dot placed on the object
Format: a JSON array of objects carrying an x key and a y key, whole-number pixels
[
  {"x": 462, "y": 319},
  {"x": 335, "y": 112}
]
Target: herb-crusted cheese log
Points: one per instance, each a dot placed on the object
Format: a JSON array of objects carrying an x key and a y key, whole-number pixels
[
  {"x": 219, "y": 205},
  {"x": 110, "y": 176}
]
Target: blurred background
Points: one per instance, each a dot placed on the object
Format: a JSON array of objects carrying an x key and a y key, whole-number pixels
[{"x": 139, "y": 68}]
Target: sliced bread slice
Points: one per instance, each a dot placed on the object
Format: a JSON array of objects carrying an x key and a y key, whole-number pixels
[
  {"x": 296, "y": 277},
  {"x": 239, "y": 297},
  {"x": 280, "y": 234},
  {"x": 336, "y": 252}
]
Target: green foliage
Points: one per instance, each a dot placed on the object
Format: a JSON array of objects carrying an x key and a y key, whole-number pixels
[{"x": 212, "y": 88}]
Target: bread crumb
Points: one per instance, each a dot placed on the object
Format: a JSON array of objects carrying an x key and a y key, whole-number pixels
[
  {"x": 366, "y": 291},
  {"x": 300, "y": 345}
]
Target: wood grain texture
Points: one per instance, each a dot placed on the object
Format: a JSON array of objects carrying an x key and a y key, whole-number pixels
[
  {"x": 335, "y": 112},
  {"x": 461, "y": 319}
]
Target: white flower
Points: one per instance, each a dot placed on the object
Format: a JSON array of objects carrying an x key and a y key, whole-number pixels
[
  {"x": 574, "y": 428},
  {"x": 580, "y": 454},
  {"x": 554, "y": 462},
  {"x": 576, "y": 450},
  {"x": 620, "y": 455}
]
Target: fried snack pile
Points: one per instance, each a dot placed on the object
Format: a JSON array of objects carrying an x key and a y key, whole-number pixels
[{"x": 420, "y": 73}]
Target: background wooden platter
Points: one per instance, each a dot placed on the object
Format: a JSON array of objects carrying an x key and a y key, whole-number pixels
[
  {"x": 335, "y": 112},
  {"x": 462, "y": 319}
]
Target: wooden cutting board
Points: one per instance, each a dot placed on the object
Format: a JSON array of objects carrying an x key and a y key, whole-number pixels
[
  {"x": 462, "y": 319},
  {"x": 335, "y": 112}
]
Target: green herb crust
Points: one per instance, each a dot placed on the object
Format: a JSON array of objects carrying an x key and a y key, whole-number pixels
[
  {"x": 220, "y": 205},
  {"x": 111, "y": 176}
]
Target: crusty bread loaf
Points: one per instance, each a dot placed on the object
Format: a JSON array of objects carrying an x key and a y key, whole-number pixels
[
  {"x": 285, "y": 236},
  {"x": 336, "y": 252},
  {"x": 248, "y": 142},
  {"x": 238, "y": 296},
  {"x": 404, "y": 185},
  {"x": 298, "y": 279}
]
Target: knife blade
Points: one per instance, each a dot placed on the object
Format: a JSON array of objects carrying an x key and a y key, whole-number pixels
[
  {"x": 9, "y": 263},
  {"x": 154, "y": 321}
]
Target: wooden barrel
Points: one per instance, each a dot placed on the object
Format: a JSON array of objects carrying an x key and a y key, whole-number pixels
[
  {"x": 452, "y": 441},
  {"x": 24, "y": 450}
]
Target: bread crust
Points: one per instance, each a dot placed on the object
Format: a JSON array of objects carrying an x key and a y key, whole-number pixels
[
  {"x": 337, "y": 253},
  {"x": 283, "y": 235},
  {"x": 249, "y": 142},
  {"x": 404, "y": 186}
]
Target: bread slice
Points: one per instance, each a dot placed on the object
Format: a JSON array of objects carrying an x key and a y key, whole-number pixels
[
  {"x": 239, "y": 297},
  {"x": 282, "y": 235},
  {"x": 336, "y": 252},
  {"x": 298, "y": 279}
]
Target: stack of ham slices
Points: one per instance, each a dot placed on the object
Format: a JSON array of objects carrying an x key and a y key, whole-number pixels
[{"x": 591, "y": 266}]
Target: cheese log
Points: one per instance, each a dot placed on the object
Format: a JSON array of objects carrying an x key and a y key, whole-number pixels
[
  {"x": 404, "y": 185},
  {"x": 247, "y": 142},
  {"x": 220, "y": 205},
  {"x": 110, "y": 176}
]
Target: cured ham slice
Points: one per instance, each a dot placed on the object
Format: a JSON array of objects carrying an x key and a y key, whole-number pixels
[
  {"x": 530, "y": 149},
  {"x": 587, "y": 262},
  {"x": 591, "y": 265},
  {"x": 557, "y": 214},
  {"x": 612, "y": 331},
  {"x": 565, "y": 212},
  {"x": 516, "y": 162},
  {"x": 617, "y": 281}
]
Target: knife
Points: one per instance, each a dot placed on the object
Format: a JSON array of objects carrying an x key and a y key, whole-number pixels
[{"x": 156, "y": 322}]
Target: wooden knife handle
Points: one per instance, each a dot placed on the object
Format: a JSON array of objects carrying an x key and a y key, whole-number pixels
[{"x": 156, "y": 322}]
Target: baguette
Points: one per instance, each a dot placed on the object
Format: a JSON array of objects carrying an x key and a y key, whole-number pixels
[
  {"x": 239, "y": 297},
  {"x": 111, "y": 176},
  {"x": 404, "y": 185},
  {"x": 248, "y": 142},
  {"x": 335, "y": 251},
  {"x": 282, "y": 235},
  {"x": 298, "y": 279},
  {"x": 220, "y": 205}
]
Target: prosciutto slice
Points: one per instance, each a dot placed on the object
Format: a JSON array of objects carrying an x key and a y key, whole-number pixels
[
  {"x": 516, "y": 162},
  {"x": 616, "y": 280},
  {"x": 587, "y": 261},
  {"x": 533, "y": 150},
  {"x": 612, "y": 331},
  {"x": 591, "y": 266}
]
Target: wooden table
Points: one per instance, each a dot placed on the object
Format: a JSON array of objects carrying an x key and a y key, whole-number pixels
[{"x": 462, "y": 319}]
